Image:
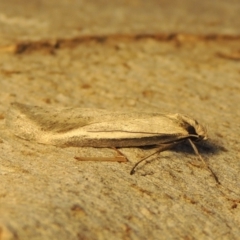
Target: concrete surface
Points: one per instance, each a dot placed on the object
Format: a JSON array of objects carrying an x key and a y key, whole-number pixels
[{"x": 132, "y": 55}]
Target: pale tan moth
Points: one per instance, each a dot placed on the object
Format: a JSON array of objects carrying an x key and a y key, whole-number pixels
[{"x": 85, "y": 127}]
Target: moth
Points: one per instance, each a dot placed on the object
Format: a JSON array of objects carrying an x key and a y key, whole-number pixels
[{"x": 86, "y": 127}]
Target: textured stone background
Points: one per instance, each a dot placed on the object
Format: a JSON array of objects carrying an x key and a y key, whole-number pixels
[{"x": 164, "y": 56}]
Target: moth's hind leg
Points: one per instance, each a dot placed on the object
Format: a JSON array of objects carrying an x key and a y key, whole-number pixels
[
  {"x": 118, "y": 158},
  {"x": 120, "y": 155}
]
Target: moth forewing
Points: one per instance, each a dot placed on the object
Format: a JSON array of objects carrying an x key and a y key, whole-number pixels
[{"x": 83, "y": 127}]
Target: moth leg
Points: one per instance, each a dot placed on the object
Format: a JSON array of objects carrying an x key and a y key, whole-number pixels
[
  {"x": 162, "y": 148},
  {"x": 119, "y": 158},
  {"x": 203, "y": 161},
  {"x": 120, "y": 154},
  {"x": 102, "y": 159}
]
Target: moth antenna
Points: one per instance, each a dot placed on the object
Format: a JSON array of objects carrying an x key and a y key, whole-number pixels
[
  {"x": 136, "y": 164},
  {"x": 203, "y": 161},
  {"x": 160, "y": 149}
]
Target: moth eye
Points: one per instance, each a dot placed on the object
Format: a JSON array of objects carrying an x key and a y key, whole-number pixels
[{"x": 191, "y": 130}]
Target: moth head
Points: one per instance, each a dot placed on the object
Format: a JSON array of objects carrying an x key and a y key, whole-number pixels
[
  {"x": 194, "y": 128},
  {"x": 201, "y": 131}
]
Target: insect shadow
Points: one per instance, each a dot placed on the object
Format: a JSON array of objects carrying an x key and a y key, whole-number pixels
[
  {"x": 208, "y": 147},
  {"x": 205, "y": 148}
]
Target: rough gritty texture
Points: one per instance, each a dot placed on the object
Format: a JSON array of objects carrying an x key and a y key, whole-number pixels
[
  {"x": 37, "y": 19},
  {"x": 46, "y": 193}
]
